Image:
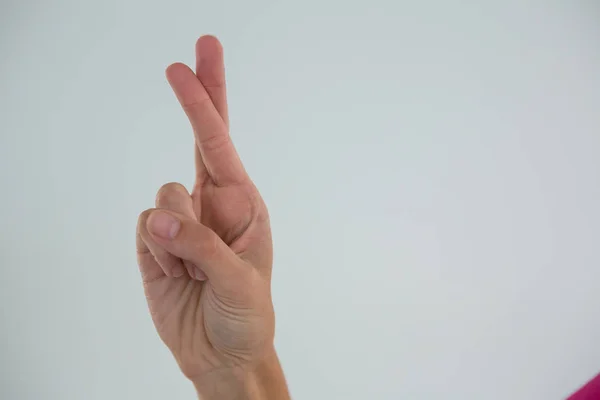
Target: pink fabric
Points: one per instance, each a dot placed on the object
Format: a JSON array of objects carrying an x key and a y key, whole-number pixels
[{"x": 591, "y": 391}]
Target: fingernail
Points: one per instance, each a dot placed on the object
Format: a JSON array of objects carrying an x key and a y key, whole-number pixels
[
  {"x": 178, "y": 271},
  {"x": 200, "y": 275},
  {"x": 163, "y": 224}
]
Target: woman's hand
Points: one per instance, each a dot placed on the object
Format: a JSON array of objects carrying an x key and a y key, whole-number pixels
[{"x": 206, "y": 258}]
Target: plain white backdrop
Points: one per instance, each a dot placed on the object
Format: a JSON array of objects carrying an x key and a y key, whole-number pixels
[{"x": 432, "y": 171}]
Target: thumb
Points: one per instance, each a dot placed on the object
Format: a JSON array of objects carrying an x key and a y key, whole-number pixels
[{"x": 190, "y": 240}]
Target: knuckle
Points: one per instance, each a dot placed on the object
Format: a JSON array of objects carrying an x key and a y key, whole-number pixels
[
  {"x": 141, "y": 231},
  {"x": 144, "y": 216},
  {"x": 209, "y": 244},
  {"x": 168, "y": 190},
  {"x": 214, "y": 84},
  {"x": 215, "y": 142},
  {"x": 203, "y": 243},
  {"x": 193, "y": 105}
]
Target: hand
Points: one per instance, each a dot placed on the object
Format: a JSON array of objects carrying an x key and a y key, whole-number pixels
[{"x": 206, "y": 258}]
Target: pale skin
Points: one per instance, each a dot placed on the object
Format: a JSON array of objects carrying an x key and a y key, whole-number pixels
[{"x": 206, "y": 257}]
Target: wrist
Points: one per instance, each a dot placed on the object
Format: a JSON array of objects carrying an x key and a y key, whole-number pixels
[
  {"x": 227, "y": 384},
  {"x": 262, "y": 381}
]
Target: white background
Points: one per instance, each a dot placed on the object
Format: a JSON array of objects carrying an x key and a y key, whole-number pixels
[{"x": 431, "y": 170}]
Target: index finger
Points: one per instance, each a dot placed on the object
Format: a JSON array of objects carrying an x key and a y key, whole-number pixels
[{"x": 212, "y": 137}]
